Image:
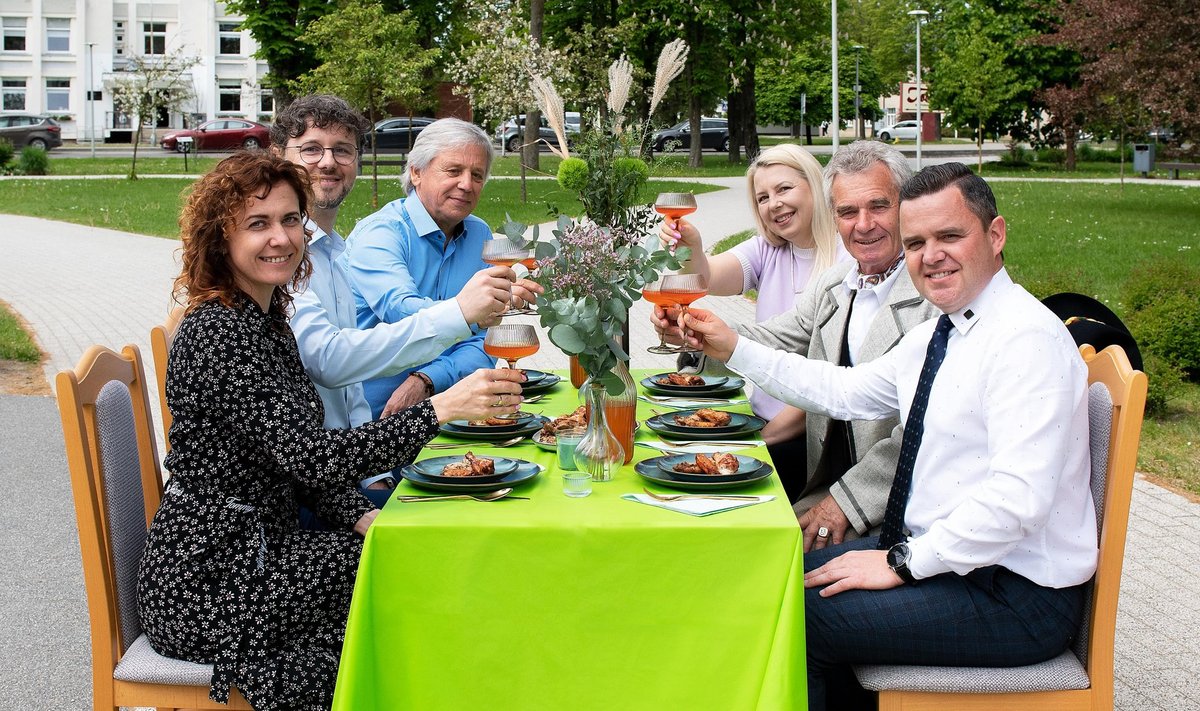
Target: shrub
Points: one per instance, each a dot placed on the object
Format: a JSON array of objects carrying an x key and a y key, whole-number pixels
[
  {"x": 1170, "y": 329},
  {"x": 631, "y": 173},
  {"x": 573, "y": 174},
  {"x": 1070, "y": 279},
  {"x": 1017, "y": 157},
  {"x": 1157, "y": 279},
  {"x": 1052, "y": 155},
  {"x": 1091, "y": 154},
  {"x": 34, "y": 161},
  {"x": 1165, "y": 383},
  {"x": 6, "y": 151}
]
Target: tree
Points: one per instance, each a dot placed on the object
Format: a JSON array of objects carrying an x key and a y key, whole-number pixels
[
  {"x": 276, "y": 26},
  {"x": 149, "y": 85},
  {"x": 369, "y": 57}
]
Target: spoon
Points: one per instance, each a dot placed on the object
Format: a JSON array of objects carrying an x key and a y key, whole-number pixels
[
  {"x": 490, "y": 496},
  {"x": 457, "y": 445}
]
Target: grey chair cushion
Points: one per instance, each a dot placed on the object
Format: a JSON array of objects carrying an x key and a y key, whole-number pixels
[
  {"x": 142, "y": 664},
  {"x": 1067, "y": 670},
  {"x": 123, "y": 496},
  {"x": 1061, "y": 672}
]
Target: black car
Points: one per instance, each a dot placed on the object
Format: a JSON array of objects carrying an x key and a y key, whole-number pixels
[
  {"x": 27, "y": 130},
  {"x": 714, "y": 134},
  {"x": 398, "y": 132}
]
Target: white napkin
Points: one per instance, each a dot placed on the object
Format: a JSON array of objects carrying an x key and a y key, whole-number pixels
[
  {"x": 696, "y": 507},
  {"x": 698, "y": 447},
  {"x": 683, "y": 403}
]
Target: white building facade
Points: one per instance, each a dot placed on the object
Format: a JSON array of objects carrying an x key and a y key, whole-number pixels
[{"x": 58, "y": 58}]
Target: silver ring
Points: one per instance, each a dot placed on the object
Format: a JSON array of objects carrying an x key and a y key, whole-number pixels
[{"x": 822, "y": 532}]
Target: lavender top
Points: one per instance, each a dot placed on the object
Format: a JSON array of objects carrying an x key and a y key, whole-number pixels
[{"x": 780, "y": 274}]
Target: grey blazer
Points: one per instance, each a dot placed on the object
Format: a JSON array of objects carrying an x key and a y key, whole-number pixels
[{"x": 815, "y": 328}]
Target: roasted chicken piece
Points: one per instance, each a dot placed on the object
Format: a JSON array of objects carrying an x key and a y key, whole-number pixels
[
  {"x": 704, "y": 418},
  {"x": 577, "y": 419},
  {"x": 681, "y": 379},
  {"x": 470, "y": 466},
  {"x": 490, "y": 422},
  {"x": 722, "y": 463}
]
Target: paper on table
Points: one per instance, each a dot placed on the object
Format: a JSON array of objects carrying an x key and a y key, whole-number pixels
[
  {"x": 696, "y": 507},
  {"x": 697, "y": 447}
]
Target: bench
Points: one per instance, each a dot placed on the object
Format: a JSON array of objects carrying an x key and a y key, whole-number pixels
[
  {"x": 1176, "y": 167},
  {"x": 385, "y": 159}
]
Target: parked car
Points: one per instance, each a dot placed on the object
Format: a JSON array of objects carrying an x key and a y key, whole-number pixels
[
  {"x": 29, "y": 130},
  {"x": 511, "y": 133},
  {"x": 394, "y": 133},
  {"x": 220, "y": 135},
  {"x": 714, "y": 134},
  {"x": 903, "y": 131}
]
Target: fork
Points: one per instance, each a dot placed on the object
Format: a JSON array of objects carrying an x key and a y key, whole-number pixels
[
  {"x": 692, "y": 497},
  {"x": 477, "y": 444}
]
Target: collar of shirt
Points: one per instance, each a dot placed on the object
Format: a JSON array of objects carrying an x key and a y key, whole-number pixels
[
  {"x": 864, "y": 282},
  {"x": 423, "y": 222},
  {"x": 320, "y": 239},
  {"x": 966, "y": 318},
  {"x": 880, "y": 290}
]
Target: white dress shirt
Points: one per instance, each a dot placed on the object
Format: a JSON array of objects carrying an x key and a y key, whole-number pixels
[
  {"x": 1003, "y": 473},
  {"x": 866, "y": 304},
  {"x": 338, "y": 355}
]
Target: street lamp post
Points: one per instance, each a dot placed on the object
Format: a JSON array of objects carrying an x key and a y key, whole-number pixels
[
  {"x": 920, "y": 15},
  {"x": 858, "y": 127},
  {"x": 91, "y": 100},
  {"x": 835, "y": 124}
]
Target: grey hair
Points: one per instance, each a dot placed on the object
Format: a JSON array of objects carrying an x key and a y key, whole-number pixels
[
  {"x": 861, "y": 156},
  {"x": 443, "y": 135}
]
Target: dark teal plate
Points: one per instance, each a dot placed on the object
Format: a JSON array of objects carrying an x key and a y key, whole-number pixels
[
  {"x": 432, "y": 469},
  {"x": 737, "y": 422},
  {"x": 541, "y": 386},
  {"x": 711, "y": 382},
  {"x": 521, "y": 423},
  {"x": 746, "y": 467},
  {"x": 650, "y": 471},
  {"x": 491, "y": 435},
  {"x": 523, "y": 473},
  {"x": 731, "y": 387},
  {"x": 753, "y": 424}
]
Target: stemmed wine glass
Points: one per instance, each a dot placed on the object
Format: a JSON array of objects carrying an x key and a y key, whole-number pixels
[
  {"x": 503, "y": 252},
  {"x": 653, "y": 292},
  {"x": 674, "y": 206},
  {"x": 682, "y": 290},
  {"x": 511, "y": 341}
]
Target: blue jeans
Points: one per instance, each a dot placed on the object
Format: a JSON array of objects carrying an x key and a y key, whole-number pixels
[{"x": 988, "y": 617}]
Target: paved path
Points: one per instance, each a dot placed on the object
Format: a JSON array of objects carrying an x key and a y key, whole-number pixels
[{"x": 79, "y": 285}]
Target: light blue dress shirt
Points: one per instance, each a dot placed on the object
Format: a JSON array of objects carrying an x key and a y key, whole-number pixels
[
  {"x": 339, "y": 356},
  {"x": 400, "y": 263}
]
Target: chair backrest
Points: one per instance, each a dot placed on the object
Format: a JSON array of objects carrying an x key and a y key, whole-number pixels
[
  {"x": 117, "y": 485},
  {"x": 1124, "y": 395},
  {"x": 161, "y": 337}
]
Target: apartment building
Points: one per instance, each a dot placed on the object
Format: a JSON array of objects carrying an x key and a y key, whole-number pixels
[{"x": 59, "y": 57}]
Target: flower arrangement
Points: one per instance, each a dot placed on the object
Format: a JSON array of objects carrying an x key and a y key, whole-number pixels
[{"x": 596, "y": 267}]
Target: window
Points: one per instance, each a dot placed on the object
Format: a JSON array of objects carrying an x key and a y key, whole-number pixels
[
  {"x": 12, "y": 94},
  {"x": 14, "y": 34},
  {"x": 119, "y": 39},
  {"x": 156, "y": 37},
  {"x": 266, "y": 102},
  {"x": 229, "y": 40},
  {"x": 230, "y": 92},
  {"x": 58, "y": 94},
  {"x": 58, "y": 34}
]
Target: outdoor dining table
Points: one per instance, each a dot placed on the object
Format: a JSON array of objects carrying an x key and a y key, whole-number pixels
[{"x": 565, "y": 603}]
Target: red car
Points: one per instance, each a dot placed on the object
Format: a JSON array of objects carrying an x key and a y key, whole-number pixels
[{"x": 220, "y": 135}]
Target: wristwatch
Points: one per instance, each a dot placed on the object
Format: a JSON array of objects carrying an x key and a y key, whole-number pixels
[
  {"x": 897, "y": 559},
  {"x": 425, "y": 379}
]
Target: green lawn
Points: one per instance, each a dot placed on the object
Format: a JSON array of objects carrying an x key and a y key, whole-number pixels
[
  {"x": 151, "y": 206},
  {"x": 15, "y": 343}
]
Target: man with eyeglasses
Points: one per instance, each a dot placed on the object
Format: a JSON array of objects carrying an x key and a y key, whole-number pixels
[{"x": 322, "y": 134}]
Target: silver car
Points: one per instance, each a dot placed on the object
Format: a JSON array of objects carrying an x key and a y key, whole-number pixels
[
  {"x": 903, "y": 131},
  {"x": 29, "y": 130}
]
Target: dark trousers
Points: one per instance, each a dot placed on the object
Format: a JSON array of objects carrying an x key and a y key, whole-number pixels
[
  {"x": 791, "y": 465},
  {"x": 989, "y": 617}
]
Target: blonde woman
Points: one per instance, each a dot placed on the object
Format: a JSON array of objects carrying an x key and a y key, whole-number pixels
[{"x": 796, "y": 241}]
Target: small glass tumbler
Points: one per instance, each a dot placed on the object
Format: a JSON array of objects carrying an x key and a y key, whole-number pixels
[
  {"x": 577, "y": 484},
  {"x": 568, "y": 440}
]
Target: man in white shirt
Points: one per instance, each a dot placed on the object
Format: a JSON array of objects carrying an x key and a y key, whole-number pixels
[
  {"x": 996, "y": 534},
  {"x": 322, "y": 134}
]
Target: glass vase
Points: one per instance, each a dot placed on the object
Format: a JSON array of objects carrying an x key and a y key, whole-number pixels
[{"x": 599, "y": 452}]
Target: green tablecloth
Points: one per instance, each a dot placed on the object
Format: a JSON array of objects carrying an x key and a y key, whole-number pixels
[{"x": 560, "y": 603}]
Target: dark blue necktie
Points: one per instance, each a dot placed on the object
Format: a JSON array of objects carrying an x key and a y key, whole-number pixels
[{"x": 893, "y": 519}]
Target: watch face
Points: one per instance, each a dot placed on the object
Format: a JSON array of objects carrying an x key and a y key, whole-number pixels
[{"x": 897, "y": 555}]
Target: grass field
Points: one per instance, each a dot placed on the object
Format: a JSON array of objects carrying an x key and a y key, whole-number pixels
[{"x": 15, "y": 343}]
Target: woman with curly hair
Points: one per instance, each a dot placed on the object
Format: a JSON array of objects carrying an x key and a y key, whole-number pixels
[{"x": 228, "y": 577}]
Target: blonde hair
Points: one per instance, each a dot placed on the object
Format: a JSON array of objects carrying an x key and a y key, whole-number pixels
[{"x": 823, "y": 231}]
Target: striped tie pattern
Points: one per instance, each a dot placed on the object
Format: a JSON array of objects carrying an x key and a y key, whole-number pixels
[{"x": 893, "y": 520}]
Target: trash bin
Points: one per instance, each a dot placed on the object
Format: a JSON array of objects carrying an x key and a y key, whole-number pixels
[{"x": 1143, "y": 157}]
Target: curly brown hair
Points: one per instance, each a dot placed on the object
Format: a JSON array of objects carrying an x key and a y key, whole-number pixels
[{"x": 214, "y": 206}]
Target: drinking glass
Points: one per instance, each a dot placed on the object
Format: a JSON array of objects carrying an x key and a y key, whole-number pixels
[
  {"x": 653, "y": 292},
  {"x": 511, "y": 341},
  {"x": 503, "y": 252},
  {"x": 682, "y": 290},
  {"x": 674, "y": 206}
]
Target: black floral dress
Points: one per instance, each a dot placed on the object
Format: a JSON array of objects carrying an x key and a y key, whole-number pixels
[{"x": 227, "y": 578}]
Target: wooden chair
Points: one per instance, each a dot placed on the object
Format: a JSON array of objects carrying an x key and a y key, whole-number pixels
[
  {"x": 117, "y": 486},
  {"x": 161, "y": 337},
  {"x": 1081, "y": 677}
]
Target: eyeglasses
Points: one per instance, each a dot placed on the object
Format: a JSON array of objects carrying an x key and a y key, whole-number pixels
[{"x": 312, "y": 153}]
